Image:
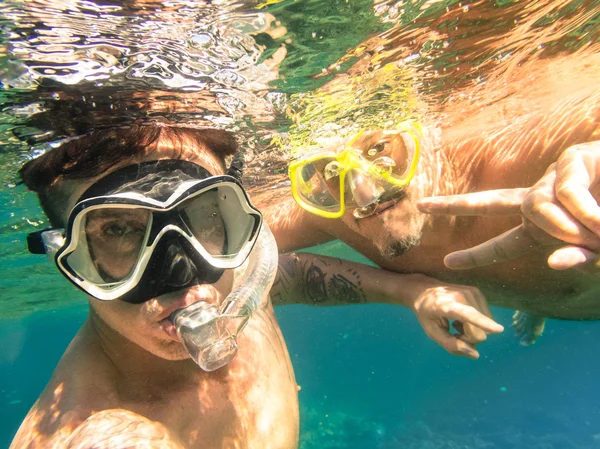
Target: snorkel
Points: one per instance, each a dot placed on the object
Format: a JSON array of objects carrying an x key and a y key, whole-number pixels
[{"x": 209, "y": 333}]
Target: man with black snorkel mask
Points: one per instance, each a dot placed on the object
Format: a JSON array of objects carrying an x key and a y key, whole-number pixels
[
  {"x": 176, "y": 262},
  {"x": 181, "y": 348}
]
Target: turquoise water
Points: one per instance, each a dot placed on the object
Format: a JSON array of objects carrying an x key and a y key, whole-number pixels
[{"x": 379, "y": 382}]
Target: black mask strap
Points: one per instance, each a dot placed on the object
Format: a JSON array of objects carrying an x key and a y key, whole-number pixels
[{"x": 236, "y": 168}]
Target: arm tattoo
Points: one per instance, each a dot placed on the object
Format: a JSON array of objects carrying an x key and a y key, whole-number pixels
[
  {"x": 286, "y": 282},
  {"x": 342, "y": 290},
  {"x": 325, "y": 284},
  {"x": 314, "y": 284},
  {"x": 308, "y": 279}
]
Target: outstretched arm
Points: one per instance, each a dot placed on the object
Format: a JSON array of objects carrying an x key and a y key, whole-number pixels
[
  {"x": 293, "y": 227},
  {"x": 107, "y": 429},
  {"x": 318, "y": 280}
]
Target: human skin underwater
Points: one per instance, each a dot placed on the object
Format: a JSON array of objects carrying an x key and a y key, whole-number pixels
[
  {"x": 126, "y": 380},
  {"x": 531, "y": 152},
  {"x": 127, "y": 369}
]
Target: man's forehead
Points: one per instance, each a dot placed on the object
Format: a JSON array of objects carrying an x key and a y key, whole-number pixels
[
  {"x": 202, "y": 157},
  {"x": 187, "y": 151}
]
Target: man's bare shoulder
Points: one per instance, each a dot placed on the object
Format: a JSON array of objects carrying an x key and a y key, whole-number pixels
[
  {"x": 79, "y": 385},
  {"x": 78, "y": 411},
  {"x": 108, "y": 429},
  {"x": 293, "y": 227},
  {"x": 120, "y": 429}
]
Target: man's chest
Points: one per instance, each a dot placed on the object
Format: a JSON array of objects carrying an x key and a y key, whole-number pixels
[{"x": 253, "y": 402}]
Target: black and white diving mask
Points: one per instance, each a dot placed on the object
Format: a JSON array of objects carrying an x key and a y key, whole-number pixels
[{"x": 153, "y": 228}]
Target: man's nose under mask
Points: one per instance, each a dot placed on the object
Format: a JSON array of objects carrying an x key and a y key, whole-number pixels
[
  {"x": 368, "y": 192},
  {"x": 365, "y": 190},
  {"x": 174, "y": 265}
]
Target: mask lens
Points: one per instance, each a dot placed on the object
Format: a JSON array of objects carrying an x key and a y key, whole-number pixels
[
  {"x": 392, "y": 152},
  {"x": 218, "y": 221},
  {"x": 314, "y": 188},
  {"x": 110, "y": 243}
]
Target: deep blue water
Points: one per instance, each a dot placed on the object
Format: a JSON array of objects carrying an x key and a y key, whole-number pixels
[{"x": 370, "y": 378}]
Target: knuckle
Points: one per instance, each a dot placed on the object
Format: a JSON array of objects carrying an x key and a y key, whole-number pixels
[
  {"x": 537, "y": 234},
  {"x": 446, "y": 308},
  {"x": 532, "y": 205},
  {"x": 454, "y": 350},
  {"x": 564, "y": 192},
  {"x": 481, "y": 338},
  {"x": 499, "y": 251},
  {"x": 527, "y": 205},
  {"x": 459, "y": 298},
  {"x": 590, "y": 217},
  {"x": 571, "y": 151}
]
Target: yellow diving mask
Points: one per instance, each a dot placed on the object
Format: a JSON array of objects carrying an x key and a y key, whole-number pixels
[{"x": 374, "y": 167}]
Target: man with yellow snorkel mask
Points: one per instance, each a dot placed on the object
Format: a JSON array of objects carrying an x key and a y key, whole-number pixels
[
  {"x": 356, "y": 181},
  {"x": 367, "y": 175},
  {"x": 519, "y": 192}
]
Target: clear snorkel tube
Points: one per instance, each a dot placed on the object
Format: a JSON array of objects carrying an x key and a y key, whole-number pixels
[{"x": 209, "y": 333}]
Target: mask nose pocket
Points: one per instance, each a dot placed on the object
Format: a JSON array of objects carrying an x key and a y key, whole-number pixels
[
  {"x": 177, "y": 265},
  {"x": 178, "y": 269},
  {"x": 365, "y": 190}
]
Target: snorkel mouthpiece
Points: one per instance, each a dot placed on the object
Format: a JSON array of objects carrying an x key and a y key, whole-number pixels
[
  {"x": 205, "y": 335},
  {"x": 209, "y": 333}
]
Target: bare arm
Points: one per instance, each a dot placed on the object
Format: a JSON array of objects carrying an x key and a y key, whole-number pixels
[
  {"x": 293, "y": 227},
  {"x": 120, "y": 429},
  {"x": 305, "y": 278},
  {"x": 108, "y": 429},
  {"x": 318, "y": 280}
]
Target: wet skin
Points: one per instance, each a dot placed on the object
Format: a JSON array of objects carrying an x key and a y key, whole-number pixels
[
  {"x": 490, "y": 149},
  {"x": 126, "y": 380}
]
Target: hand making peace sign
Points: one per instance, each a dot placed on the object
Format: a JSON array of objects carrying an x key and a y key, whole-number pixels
[{"x": 560, "y": 208}]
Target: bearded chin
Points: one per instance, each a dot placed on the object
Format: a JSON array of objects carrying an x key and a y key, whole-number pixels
[{"x": 400, "y": 246}]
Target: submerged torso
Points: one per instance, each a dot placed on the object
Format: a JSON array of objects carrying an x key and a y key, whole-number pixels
[
  {"x": 514, "y": 151},
  {"x": 526, "y": 284},
  {"x": 251, "y": 403}
]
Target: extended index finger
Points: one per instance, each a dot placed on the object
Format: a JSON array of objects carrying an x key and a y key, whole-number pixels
[
  {"x": 489, "y": 202},
  {"x": 470, "y": 315},
  {"x": 575, "y": 175},
  {"x": 510, "y": 245}
]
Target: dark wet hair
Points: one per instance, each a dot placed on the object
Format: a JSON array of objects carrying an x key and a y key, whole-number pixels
[{"x": 95, "y": 153}]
